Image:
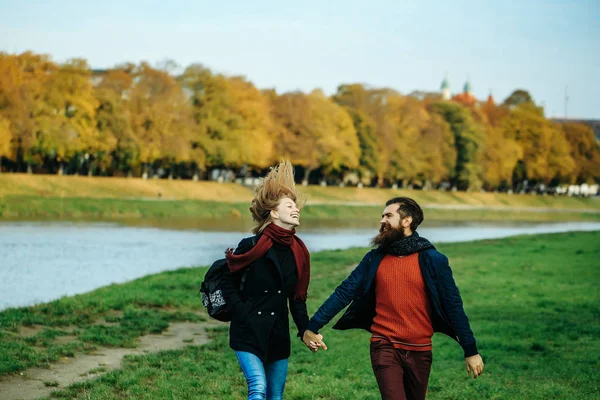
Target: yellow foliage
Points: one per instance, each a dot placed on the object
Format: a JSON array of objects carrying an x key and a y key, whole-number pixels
[{"x": 5, "y": 137}]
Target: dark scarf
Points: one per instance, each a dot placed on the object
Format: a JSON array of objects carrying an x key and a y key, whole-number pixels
[
  {"x": 408, "y": 245},
  {"x": 273, "y": 233}
]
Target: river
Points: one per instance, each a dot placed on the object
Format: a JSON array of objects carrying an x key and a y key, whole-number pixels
[{"x": 42, "y": 261}]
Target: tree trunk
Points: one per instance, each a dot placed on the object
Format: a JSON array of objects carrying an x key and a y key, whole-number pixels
[
  {"x": 61, "y": 169},
  {"x": 145, "y": 173},
  {"x": 307, "y": 172},
  {"x": 29, "y": 170}
]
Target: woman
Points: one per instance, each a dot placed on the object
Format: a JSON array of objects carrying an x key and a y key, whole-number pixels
[{"x": 266, "y": 272}]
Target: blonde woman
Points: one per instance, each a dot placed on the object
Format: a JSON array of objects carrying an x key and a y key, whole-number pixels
[{"x": 265, "y": 278}]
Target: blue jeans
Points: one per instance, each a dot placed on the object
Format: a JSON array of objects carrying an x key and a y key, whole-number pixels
[{"x": 265, "y": 381}]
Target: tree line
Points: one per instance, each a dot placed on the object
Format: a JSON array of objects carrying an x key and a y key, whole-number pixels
[{"x": 139, "y": 120}]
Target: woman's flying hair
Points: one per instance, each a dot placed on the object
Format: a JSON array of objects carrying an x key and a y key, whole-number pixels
[{"x": 278, "y": 183}]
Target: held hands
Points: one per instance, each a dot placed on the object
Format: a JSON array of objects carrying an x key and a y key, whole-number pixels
[
  {"x": 475, "y": 365},
  {"x": 313, "y": 341}
]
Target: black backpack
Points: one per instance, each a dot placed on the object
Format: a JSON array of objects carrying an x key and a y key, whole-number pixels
[{"x": 212, "y": 294}]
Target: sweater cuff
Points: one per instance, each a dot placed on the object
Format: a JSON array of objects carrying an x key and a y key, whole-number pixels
[
  {"x": 470, "y": 350},
  {"x": 313, "y": 326}
]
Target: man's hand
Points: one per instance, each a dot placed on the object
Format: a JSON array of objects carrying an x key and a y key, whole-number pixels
[
  {"x": 313, "y": 341},
  {"x": 475, "y": 365}
]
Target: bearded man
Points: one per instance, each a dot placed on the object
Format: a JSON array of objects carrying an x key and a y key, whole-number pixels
[{"x": 401, "y": 292}]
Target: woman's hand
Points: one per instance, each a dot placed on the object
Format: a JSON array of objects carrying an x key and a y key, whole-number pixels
[{"x": 313, "y": 341}]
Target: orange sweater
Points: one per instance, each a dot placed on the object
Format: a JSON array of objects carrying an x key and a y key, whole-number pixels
[{"x": 402, "y": 304}]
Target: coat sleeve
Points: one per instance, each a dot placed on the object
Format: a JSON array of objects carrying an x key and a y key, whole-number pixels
[
  {"x": 299, "y": 314},
  {"x": 231, "y": 280},
  {"x": 341, "y": 297},
  {"x": 452, "y": 305}
]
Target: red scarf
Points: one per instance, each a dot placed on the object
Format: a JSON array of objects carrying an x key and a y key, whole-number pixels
[{"x": 273, "y": 233}]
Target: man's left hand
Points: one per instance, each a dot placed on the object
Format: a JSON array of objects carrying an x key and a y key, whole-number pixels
[{"x": 475, "y": 365}]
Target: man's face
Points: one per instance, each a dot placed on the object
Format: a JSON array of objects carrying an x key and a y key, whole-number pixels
[
  {"x": 287, "y": 213},
  {"x": 390, "y": 217},
  {"x": 392, "y": 227}
]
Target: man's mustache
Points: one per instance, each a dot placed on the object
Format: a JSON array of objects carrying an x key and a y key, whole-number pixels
[{"x": 384, "y": 226}]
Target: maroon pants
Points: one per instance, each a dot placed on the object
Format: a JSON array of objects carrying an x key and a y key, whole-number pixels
[{"x": 400, "y": 374}]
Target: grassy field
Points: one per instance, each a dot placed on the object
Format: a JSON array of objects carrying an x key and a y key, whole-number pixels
[
  {"x": 198, "y": 213},
  {"x": 133, "y": 200},
  {"x": 53, "y": 186},
  {"x": 533, "y": 302}
]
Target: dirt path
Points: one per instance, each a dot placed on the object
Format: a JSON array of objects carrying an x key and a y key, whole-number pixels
[{"x": 31, "y": 384}]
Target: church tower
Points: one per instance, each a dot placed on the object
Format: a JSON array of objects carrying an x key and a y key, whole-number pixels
[
  {"x": 445, "y": 89},
  {"x": 468, "y": 89}
]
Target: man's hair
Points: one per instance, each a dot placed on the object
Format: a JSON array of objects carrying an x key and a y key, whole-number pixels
[
  {"x": 277, "y": 184},
  {"x": 408, "y": 208}
]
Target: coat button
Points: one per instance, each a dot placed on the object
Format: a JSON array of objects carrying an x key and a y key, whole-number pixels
[
  {"x": 279, "y": 291},
  {"x": 272, "y": 313},
  {"x": 266, "y": 291},
  {"x": 259, "y": 313}
]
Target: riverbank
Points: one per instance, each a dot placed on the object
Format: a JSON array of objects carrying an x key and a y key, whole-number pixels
[
  {"x": 53, "y": 186},
  {"x": 204, "y": 213},
  {"x": 532, "y": 302},
  {"x": 189, "y": 204}
]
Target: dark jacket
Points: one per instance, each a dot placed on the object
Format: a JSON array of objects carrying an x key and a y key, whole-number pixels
[
  {"x": 448, "y": 315},
  {"x": 260, "y": 322}
]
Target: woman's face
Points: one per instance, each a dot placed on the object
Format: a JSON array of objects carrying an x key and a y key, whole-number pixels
[{"x": 286, "y": 214}]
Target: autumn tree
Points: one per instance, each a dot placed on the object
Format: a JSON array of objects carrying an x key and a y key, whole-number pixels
[
  {"x": 585, "y": 152},
  {"x": 470, "y": 143},
  {"x": 5, "y": 139},
  {"x": 68, "y": 130},
  {"x": 371, "y": 104},
  {"x": 545, "y": 151},
  {"x": 366, "y": 132},
  {"x": 160, "y": 118},
  {"x": 438, "y": 150},
  {"x": 232, "y": 119},
  {"x": 500, "y": 158},
  {"x": 22, "y": 86},
  {"x": 113, "y": 119},
  {"x": 335, "y": 135},
  {"x": 315, "y": 132},
  {"x": 561, "y": 165},
  {"x": 493, "y": 113},
  {"x": 517, "y": 98}
]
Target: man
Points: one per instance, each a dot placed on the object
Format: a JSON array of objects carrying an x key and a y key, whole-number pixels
[{"x": 402, "y": 292}]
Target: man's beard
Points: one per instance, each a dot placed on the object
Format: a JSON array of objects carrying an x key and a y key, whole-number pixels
[{"x": 387, "y": 235}]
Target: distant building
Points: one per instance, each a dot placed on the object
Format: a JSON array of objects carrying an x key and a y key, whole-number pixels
[
  {"x": 445, "y": 89},
  {"x": 466, "y": 97}
]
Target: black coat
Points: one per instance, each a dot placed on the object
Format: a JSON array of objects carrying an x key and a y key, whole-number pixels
[{"x": 260, "y": 322}]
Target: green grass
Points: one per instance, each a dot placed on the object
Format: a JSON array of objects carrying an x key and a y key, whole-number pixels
[
  {"x": 201, "y": 213},
  {"x": 112, "y": 316},
  {"x": 181, "y": 203},
  {"x": 53, "y": 186},
  {"x": 532, "y": 301}
]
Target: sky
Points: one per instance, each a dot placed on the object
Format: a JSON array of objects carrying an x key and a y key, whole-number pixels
[{"x": 550, "y": 48}]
